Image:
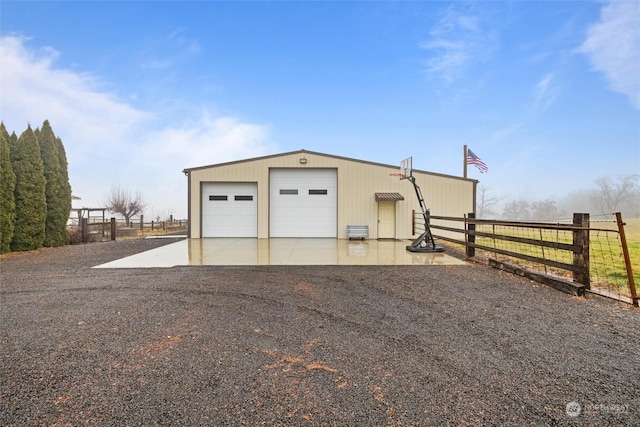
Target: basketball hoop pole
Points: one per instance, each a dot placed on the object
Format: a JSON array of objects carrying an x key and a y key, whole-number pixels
[{"x": 425, "y": 242}]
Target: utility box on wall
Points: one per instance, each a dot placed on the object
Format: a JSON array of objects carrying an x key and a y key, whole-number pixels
[{"x": 357, "y": 232}]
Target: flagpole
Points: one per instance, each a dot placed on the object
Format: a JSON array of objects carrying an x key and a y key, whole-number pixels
[{"x": 464, "y": 161}]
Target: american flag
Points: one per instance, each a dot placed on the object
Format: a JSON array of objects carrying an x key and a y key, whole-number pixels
[{"x": 472, "y": 159}]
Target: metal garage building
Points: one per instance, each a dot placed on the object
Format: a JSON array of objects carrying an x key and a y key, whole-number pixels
[{"x": 310, "y": 194}]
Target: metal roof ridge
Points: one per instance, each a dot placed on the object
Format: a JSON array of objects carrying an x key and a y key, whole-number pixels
[{"x": 301, "y": 151}]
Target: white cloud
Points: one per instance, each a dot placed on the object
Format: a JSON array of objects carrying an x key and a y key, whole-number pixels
[
  {"x": 456, "y": 40},
  {"x": 169, "y": 52},
  {"x": 34, "y": 90},
  {"x": 156, "y": 64},
  {"x": 545, "y": 93},
  {"x": 208, "y": 141},
  {"x": 109, "y": 141},
  {"x": 613, "y": 47},
  {"x": 179, "y": 36}
]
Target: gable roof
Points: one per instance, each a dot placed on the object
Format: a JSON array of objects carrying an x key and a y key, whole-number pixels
[{"x": 302, "y": 151}]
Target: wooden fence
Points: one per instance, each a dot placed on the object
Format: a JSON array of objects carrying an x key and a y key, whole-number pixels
[
  {"x": 573, "y": 257},
  {"x": 158, "y": 227},
  {"x": 95, "y": 231}
]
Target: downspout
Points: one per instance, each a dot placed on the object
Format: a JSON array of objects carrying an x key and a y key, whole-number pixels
[
  {"x": 188, "y": 174},
  {"x": 475, "y": 192}
]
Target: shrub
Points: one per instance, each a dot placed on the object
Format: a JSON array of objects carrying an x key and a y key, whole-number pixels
[{"x": 75, "y": 235}]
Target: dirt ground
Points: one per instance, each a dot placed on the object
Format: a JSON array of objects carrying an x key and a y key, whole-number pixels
[{"x": 295, "y": 345}]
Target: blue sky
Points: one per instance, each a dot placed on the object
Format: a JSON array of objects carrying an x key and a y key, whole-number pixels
[{"x": 547, "y": 93}]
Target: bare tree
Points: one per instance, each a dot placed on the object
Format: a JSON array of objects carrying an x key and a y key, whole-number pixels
[
  {"x": 577, "y": 201},
  {"x": 486, "y": 201},
  {"x": 545, "y": 210},
  {"x": 609, "y": 195},
  {"x": 124, "y": 202},
  {"x": 517, "y": 210}
]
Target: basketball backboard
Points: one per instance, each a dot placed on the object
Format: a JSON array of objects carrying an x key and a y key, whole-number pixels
[{"x": 406, "y": 167}]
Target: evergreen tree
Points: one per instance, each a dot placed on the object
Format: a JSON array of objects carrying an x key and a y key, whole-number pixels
[
  {"x": 13, "y": 141},
  {"x": 30, "y": 198},
  {"x": 57, "y": 204},
  {"x": 65, "y": 192},
  {"x": 7, "y": 187}
]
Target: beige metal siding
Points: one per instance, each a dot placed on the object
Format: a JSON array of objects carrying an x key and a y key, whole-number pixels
[
  {"x": 446, "y": 197},
  {"x": 358, "y": 181}
]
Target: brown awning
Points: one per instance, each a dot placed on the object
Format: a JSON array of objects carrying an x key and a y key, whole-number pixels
[{"x": 388, "y": 197}]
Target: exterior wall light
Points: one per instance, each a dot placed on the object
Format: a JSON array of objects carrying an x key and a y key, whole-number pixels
[{"x": 303, "y": 160}]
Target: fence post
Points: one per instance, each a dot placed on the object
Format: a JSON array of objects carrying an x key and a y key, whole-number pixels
[
  {"x": 627, "y": 259},
  {"x": 151, "y": 225},
  {"x": 113, "y": 228},
  {"x": 141, "y": 222},
  {"x": 470, "y": 234},
  {"x": 581, "y": 252},
  {"x": 84, "y": 229}
]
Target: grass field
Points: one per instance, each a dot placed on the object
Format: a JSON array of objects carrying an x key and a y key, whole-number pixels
[
  {"x": 632, "y": 233},
  {"x": 607, "y": 267},
  {"x": 631, "y": 230}
]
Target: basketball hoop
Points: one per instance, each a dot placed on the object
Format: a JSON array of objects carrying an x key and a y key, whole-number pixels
[
  {"x": 406, "y": 168},
  {"x": 425, "y": 242}
]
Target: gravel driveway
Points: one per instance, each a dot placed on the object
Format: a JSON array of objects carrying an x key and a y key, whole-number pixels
[{"x": 295, "y": 345}]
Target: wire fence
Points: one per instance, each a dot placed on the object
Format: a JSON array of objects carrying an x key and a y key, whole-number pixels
[
  {"x": 615, "y": 262},
  {"x": 596, "y": 256}
]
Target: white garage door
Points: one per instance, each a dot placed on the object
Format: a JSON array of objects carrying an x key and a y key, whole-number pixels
[
  {"x": 303, "y": 203},
  {"x": 230, "y": 209}
]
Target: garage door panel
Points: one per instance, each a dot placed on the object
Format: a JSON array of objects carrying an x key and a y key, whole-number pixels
[
  {"x": 230, "y": 209},
  {"x": 308, "y": 213}
]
